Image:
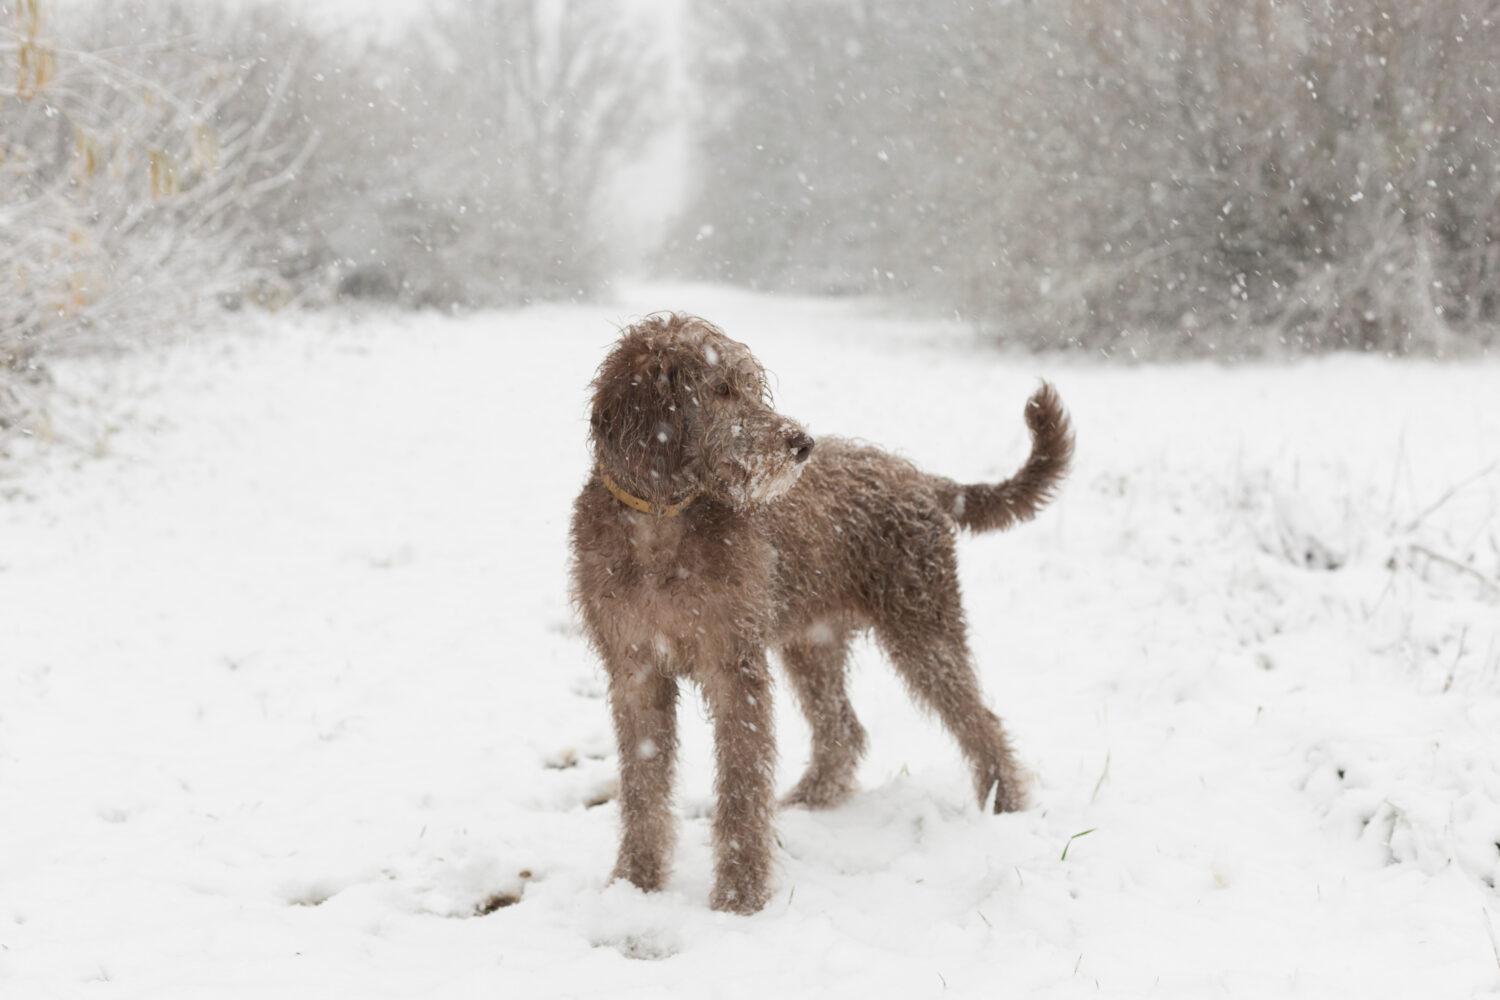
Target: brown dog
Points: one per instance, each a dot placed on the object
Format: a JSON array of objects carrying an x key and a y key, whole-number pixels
[{"x": 709, "y": 532}]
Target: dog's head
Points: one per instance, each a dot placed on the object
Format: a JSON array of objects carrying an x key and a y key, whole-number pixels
[{"x": 682, "y": 410}]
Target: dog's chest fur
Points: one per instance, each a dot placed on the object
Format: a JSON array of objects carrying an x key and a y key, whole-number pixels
[{"x": 684, "y": 593}]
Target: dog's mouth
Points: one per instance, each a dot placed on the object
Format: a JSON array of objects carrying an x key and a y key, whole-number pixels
[
  {"x": 759, "y": 482},
  {"x": 759, "y": 477}
]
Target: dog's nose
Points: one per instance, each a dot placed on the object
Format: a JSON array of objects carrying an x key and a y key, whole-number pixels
[{"x": 801, "y": 445}]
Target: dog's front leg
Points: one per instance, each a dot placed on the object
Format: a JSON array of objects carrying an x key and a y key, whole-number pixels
[
  {"x": 739, "y": 697},
  {"x": 643, "y": 702}
]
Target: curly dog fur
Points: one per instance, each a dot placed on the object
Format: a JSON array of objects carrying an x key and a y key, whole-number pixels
[{"x": 711, "y": 531}]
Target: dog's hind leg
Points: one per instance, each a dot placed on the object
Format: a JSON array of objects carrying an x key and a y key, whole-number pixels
[
  {"x": 817, "y": 668},
  {"x": 644, "y": 704},
  {"x": 930, "y": 652}
]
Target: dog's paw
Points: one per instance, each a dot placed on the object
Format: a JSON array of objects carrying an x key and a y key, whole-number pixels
[
  {"x": 741, "y": 899},
  {"x": 647, "y": 871},
  {"x": 1002, "y": 794},
  {"x": 816, "y": 791}
]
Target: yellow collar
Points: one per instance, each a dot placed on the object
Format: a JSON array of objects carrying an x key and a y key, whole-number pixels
[{"x": 645, "y": 506}]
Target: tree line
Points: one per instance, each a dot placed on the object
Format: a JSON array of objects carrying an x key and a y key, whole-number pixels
[
  {"x": 1168, "y": 177},
  {"x": 1165, "y": 178}
]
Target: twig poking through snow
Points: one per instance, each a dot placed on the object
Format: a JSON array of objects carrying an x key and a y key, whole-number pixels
[
  {"x": 1452, "y": 563},
  {"x": 1457, "y": 659},
  {"x": 1102, "y": 776},
  {"x": 1451, "y": 492}
]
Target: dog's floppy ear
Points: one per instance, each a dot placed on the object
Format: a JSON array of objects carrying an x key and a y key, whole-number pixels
[{"x": 637, "y": 422}]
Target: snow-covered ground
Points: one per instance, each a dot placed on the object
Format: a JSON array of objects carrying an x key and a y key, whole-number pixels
[{"x": 292, "y": 700}]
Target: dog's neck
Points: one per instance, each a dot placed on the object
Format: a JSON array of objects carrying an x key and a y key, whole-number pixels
[{"x": 645, "y": 506}]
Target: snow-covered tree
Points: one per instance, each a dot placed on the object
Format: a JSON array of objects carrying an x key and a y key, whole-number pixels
[{"x": 466, "y": 167}]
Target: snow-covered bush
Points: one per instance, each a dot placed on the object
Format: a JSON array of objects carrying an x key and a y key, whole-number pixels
[
  {"x": 1283, "y": 176},
  {"x": 129, "y": 190},
  {"x": 1175, "y": 177},
  {"x": 164, "y": 159}
]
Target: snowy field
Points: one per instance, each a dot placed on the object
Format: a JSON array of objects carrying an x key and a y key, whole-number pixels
[{"x": 292, "y": 702}]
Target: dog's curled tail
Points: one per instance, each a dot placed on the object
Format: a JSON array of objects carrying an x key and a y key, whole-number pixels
[{"x": 998, "y": 506}]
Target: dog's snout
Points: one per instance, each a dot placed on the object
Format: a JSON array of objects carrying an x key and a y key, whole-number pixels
[{"x": 801, "y": 445}]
